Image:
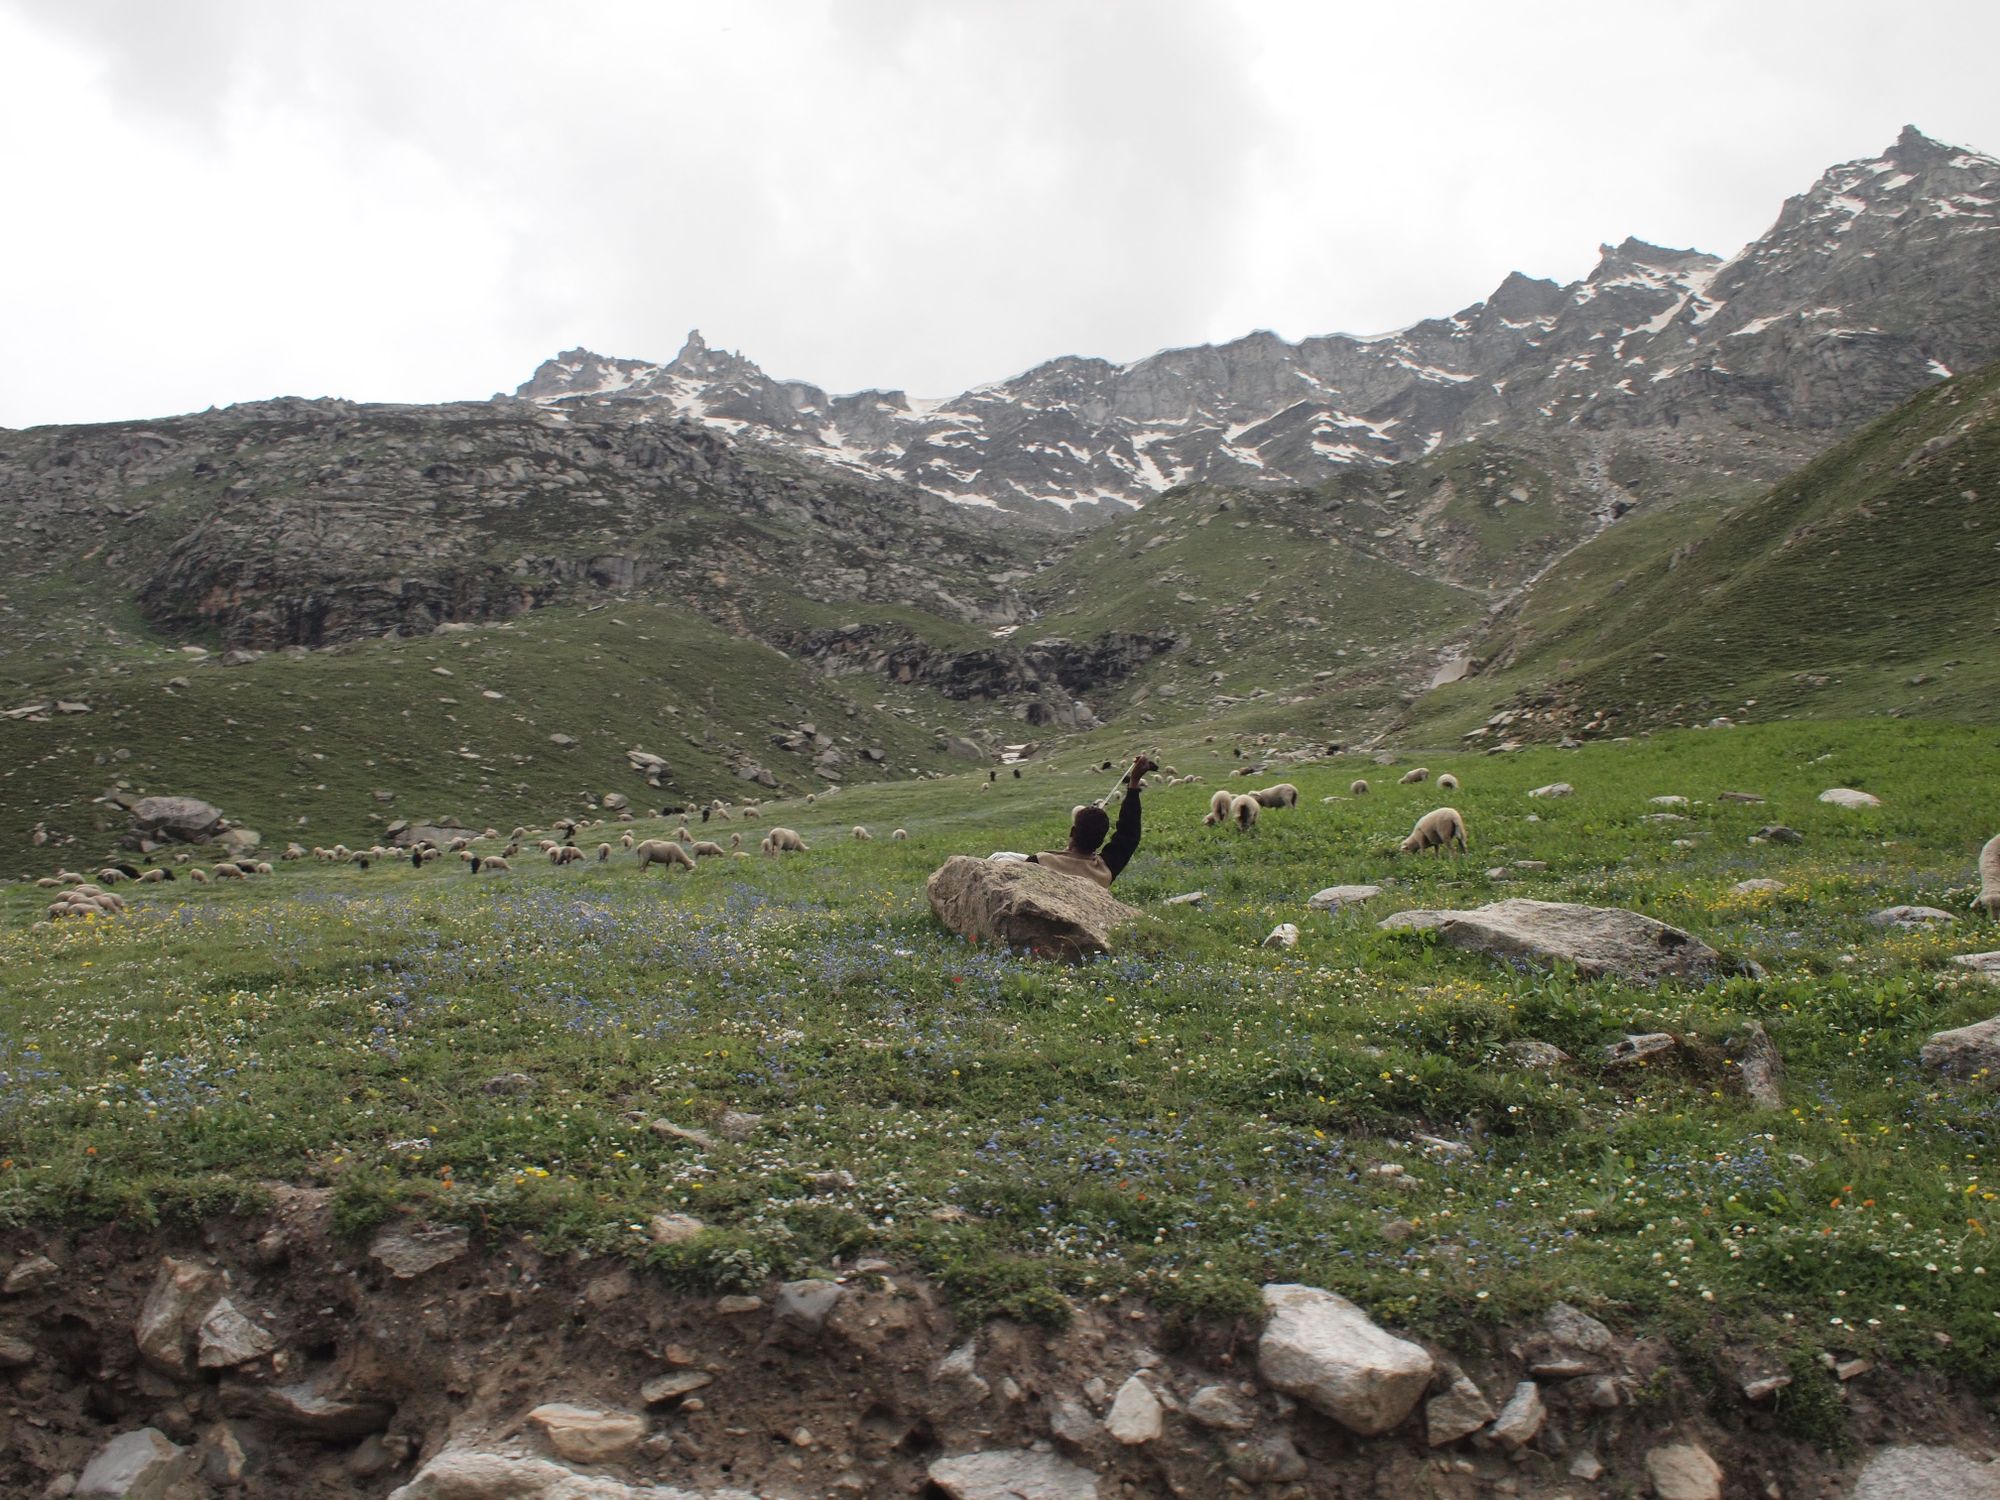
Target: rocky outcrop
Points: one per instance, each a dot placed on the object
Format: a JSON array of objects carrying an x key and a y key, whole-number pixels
[
  {"x": 1013, "y": 904},
  {"x": 185, "y": 820},
  {"x": 1596, "y": 940}
]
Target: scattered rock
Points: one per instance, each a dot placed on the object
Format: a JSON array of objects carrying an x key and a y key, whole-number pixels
[
  {"x": 738, "y": 1125},
  {"x": 1586, "y": 1466},
  {"x": 1135, "y": 1416},
  {"x": 1219, "y": 1407},
  {"x": 1684, "y": 1471},
  {"x": 1334, "y": 897},
  {"x": 1013, "y": 1474},
  {"x": 737, "y": 1304},
  {"x": 1738, "y": 797},
  {"x": 802, "y": 1308},
  {"x": 1459, "y": 1412},
  {"x": 1968, "y": 1052},
  {"x": 1985, "y": 964},
  {"x": 1530, "y": 1053},
  {"x": 187, "y": 820},
  {"x": 1018, "y": 905},
  {"x": 672, "y": 1229},
  {"x": 1284, "y": 935},
  {"x": 1191, "y": 898},
  {"x": 1916, "y": 1472},
  {"x": 1268, "y": 1458},
  {"x": 33, "y": 1272},
  {"x": 668, "y": 1130},
  {"x": 15, "y": 1353},
  {"x": 1667, "y": 801},
  {"x": 1520, "y": 1420},
  {"x": 585, "y": 1435},
  {"x": 1746, "y": 887},
  {"x": 1909, "y": 916},
  {"x": 1759, "y": 1068},
  {"x": 1500, "y": 872},
  {"x": 166, "y": 1322},
  {"x": 226, "y": 1338},
  {"x": 508, "y": 1083},
  {"x": 1764, "y": 1387},
  {"x": 674, "y": 1385},
  {"x": 1597, "y": 940},
  {"x": 1553, "y": 789},
  {"x": 1637, "y": 1048},
  {"x": 1320, "y": 1347},
  {"x": 456, "y": 1474},
  {"x": 306, "y": 1409},
  {"x": 1777, "y": 833},
  {"x": 410, "y": 1249},
  {"x": 1846, "y": 796},
  {"x": 140, "y": 1465}
]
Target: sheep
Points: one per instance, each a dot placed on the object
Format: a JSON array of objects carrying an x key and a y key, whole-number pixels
[
  {"x": 810, "y": 799},
  {"x": 69, "y": 877},
  {"x": 198, "y": 875},
  {"x": 625, "y": 841},
  {"x": 1988, "y": 899},
  {"x": 155, "y": 875},
  {"x": 899, "y": 835},
  {"x": 682, "y": 836},
  {"x": 513, "y": 848},
  {"x": 662, "y": 852},
  {"x": 491, "y": 862},
  {"x": 1447, "y": 782},
  {"x": 110, "y": 875},
  {"x": 704, "y": 849},
  {"x": 1357, "y": 788},
  {"x": 719, "y": 808},
  {"x": 569, "y": 854},
  {"x": 603, "y": 853},
  {"x": 293, "y": 851},
  {"x": 862, "y": 835},
  {"x": 782, "y": 841},
  {"x": 1218, "y": 807},
  {"x": 1243, "y": 812},
  {"x": 1414, "y": 775},
  {"x": 226, "y": 871},
  {"x": 751, "y": 815},
  {"x": 518, "y": 834},
  {"x": 263, "y": 868},
  {"x": 547, "y": 846},
  {"x": 1284, "y": 794},
  {"x": 1439, "y": 828}
]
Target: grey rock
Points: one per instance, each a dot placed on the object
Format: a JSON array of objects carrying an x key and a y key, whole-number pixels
[
  {"x": 462, "y": 1474},
  {"x": 1521, "y": 1419},
  {"x": 1967, "y": 1052},
  {"x": 226, "y": 1338},
  {"x": 1018, "y": 905},
  {"x": 1530, "y": 1053},
  {"x": 1324, "y": 1350},
  {"x": 1759, "y": 1068},
  {"x": 1573, "y": 1328},
  {"x": 1219, "y": 1407},
  {"x": 668, "y": 1130},
  {"x": 1190, "y": 898},
  {"x": 166, "y": 1321},
  {"x": 1917, "y": 1472},
  {"x": 307, "y": 1409},
  {"x": 410, "y": 1249},
  {"x": 1071, "y": 1422},
  {"x": 1909, "y": 916},
  {"x": 1268, "y": 1458},
  {"x": 1684, "y": 1471},
  {"x": 186, "y": 820},
  {"x": 1778, "y": 833},
  {"x": 738, "y": 1304},
  {"x": 957, "y": 1376},
  {"x": 1334, "y": 897},
  {"x": 587, "y": 1435},
  {"x": 140, "y": 1465},
  {"x": 31, "y": 1273},
  {"x": 1638, "y": 1048},
  {"x": 672, "y": 1229},
  {"x": 673, "y": 1385},
  {"x": 1459, "y": 1411},
  {"x": 1845, "y": 796},
  {"x": 1013, "y": 1474},
  {"x": 802, "y": 1308},
  {"x": 15, "y": 1352},
  {"x": 1597, "y": 940},
  {"x": 1284, "y": 935},
  {"x": 1135, "y": 1416},
  {"x": 1738, "y": 797},
  {"x": 1747, "y": 887},
  {"x": 738, "y": 1125},
  {"x": 1554, "y": 789},
  {"x": 1986, "y": 965}
]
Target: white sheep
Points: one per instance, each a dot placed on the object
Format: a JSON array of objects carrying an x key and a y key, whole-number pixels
[
  {"x": 784, "y": 841},
  {"x": 567, "y": 854},
  {"x": 155, "y": 875},
  {"x": 720, "y": 809},
  {"x": 263, "y": 868},
  {"x": 1357, "y": 788},
  {"x": 1988, "y": 899},
  {"x": 1439, "y": 828},
  {"x": 198, "y": 875},
  {"x": 862, "y": 835},
  {"x": 603, "y": 853},
  {"x": 1218, "y": 807},
  {"x": 706, "y": 849},
  {"x": 1414, "y": 775},
  {"x": 899, "y": 835},
  {"x": 110, "y": 875},
  {"x": 625, "y": 840},
  {"x": 662, "y": 852},
  {"x": 493, "y": 862},
  {"x": 682, "y": 836},
  {"x": 1243, "y": 812},
  {"x": 810, "y": 799},
  {"x": 1447, "y": 782},
  {"x": 735, "y": 842},
  {"x": 751, "y": 815},
  {"x": 226, "y": 871},
  {"x": 1284, "y": 794}
]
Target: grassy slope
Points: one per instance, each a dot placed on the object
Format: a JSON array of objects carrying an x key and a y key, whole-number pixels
[
  {"x": 1827, "y": 595},
  {"x": 1184, "y": 1120}
]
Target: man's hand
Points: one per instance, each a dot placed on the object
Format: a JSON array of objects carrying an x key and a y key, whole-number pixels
[{"x": 1141, "y": 764}]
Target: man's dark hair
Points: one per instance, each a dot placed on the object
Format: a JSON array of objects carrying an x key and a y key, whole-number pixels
[{"x": 1087, "y": 829}]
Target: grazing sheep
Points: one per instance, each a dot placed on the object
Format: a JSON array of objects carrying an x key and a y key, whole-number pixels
[
  {"x": 1243, "y": 812},
  {"x": 682, "y": 836},
  {"x": 1414, "y": 775},
  {"x": 603, "y": 853},
  {"x": 1447, "y": 782},
  {"x": 862, "y": 835},
  {"x": 491, "y": 862},
  {"x": 1218, "y": 807},
  {"x": 1988, "y": 899},
  {"x": 719, "y": 808},
  {"x": 1284, "y": 794},
  {"x": 262, "y": 868},
  {"x": 704, "y": 849},
  {"x": 569, "y": 854},
  {"x": 751, "y": 815},
  {"x": 293, "y": 851},
  {"x": 899, "y": 834},
  {"x": 810, "y": 799},
  {"x": 1357, "y": 788},
  {"x": 155, "y": 875},
  {"x": 110, "y": 875},
  {"x": 547, "y": 846},
  {"x": 198, "y": 875},
  {"x": 625, "y": 840},
  {"x": 226, "y": 871},
  {"x": 1439, "y": 828},
  {"x": 662, "y": 852},
  {"x": 512, "y": 849},
  {"x": 783, "y": 841},
  {"x": 518, "y": 834}
]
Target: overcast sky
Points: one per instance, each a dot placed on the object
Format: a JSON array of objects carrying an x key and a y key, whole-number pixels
[{"x": 219, "y": 200}]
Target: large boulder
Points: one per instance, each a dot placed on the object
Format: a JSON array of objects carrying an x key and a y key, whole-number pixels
[
  {"x": 185, "y": 820},
  {"x": 1018, "y": 905},
  {"x": 1598, "y": 940},
  {"x": 1330, "y": 1354},
  {"x": 1969, "y": 1052}
]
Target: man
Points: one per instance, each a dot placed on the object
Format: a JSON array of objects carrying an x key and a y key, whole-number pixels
[{"x": 1088, "y": 827}]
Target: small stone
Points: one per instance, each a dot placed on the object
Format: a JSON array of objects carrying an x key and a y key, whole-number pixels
[
  {"x": 508, "y": 1083},
  {"x": 1852, "y": 1369},
  {"x": 1553, "y": 789},
  {"x": 1586, "y": 1466},
  {"x": 738, "y": 1125},
  {"x": 1269, "y": 1458},
  {"x": 1135, "y": 1415},
  {"x": 224, "y": 1460},
  {"x": 1684, "y": 1471},
  {"x": 1750, "y": 887},
  {"x": 409, "y": 1250},
  {"x": 30, "y": 1274},
  {"x": 803, "y": 1307},
  {"x": 672, "y": 1229},
  {"x": 736, "y": 1305},
  {"x": 1530, "y": 1053},
  {"x": 1191, "y": 898},
  {"x": 1071, "y": 1422},
  {"x": 1334, "y": 897},
  {"x": 668, "y": 1130},
  {"x": 1323, "y": 1349},
  {"x": 227, "y": 1338},
  {"x": 1520, "y": 1420},
  {"x": 1908, "y": 916},
  {"x": 1846, "y": 796},
  {"x": 15, "y": 1353},
  {"x": 671, "y": 1387},
  {"x": 1637, "y": 1048},
  {"x": 1459, "y": 1412},
  {"x": 1778, "y": 833},
  {"x": 1284, "y": 935},
  {"x": 1219, "y": 1407},
  {"x": 369, "y": 1459},
  {"x": 165, "y": 1322},
  {"x": 957, "y": 1376},
  {"x": 582, "y": 1434},
  {"x": 1012, "y": 1474},
  {"x": 1397, "y": 1230},
  {"x": 1764, "y": 1387},
  {"x": 140, "y": 1465}
]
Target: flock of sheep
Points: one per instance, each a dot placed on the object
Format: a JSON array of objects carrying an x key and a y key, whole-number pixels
[{"x": 1440, "y": 828}]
